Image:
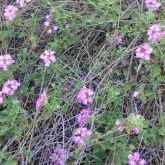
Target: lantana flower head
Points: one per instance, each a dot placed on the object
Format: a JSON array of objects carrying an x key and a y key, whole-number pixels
[
  {"x": 153, "y": 4},
  {"x": 59, "y": 156},
  {"x": 154, "y": 33},
  {"x": 134, "y": 159},
  {"x": 5, "y": 61},
  {"x": 83, "y": 115},
  {"x": 85, "y": 95},
  {"x": 10, "y": 12},
  {"x": 48, "y": 57},
  {"x": 41, "y": 101},
  {"x": 10, "y": 86},
  {"x": 144, "y": 51},
  {"x": 81, "y": 133}
]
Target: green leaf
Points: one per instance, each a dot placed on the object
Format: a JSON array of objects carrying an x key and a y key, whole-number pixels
[
  {"x": 156, "y": 71},
  {"x": 10, "y": 162},
  {"x": 162, "y": 131}
]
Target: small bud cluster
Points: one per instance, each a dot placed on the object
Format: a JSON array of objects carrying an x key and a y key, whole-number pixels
[
  {"x": 22, "y": 2},
  {"x": 81, "y": 133},
  {"x": 59, "y": 156},
  {"x": 41, "y": 101},
  {"x": 144, "y": 51},
  {"x": 49, "y": 18},
  {"x": 83, "y": 115},
  {"x": 48, "y": 57},
  {"x": 85, "y": 95},
  {"x": 5, "y": 61},
  {"x": 10, "y": 12},
  {"x": 134, "y": 159},
  {"x": 153, "y": 4},
  {"x": 154, "y": 33},
  {"x": 119, "y": 39}
]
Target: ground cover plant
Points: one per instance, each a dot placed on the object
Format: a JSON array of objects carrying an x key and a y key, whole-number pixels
[{"x": 82, "y": 82}]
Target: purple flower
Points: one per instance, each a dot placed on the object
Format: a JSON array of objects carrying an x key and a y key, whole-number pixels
[
  {"x": 84, "y": 114},
  {"x": 134, "y": 159},
  {"x": 10, "y": 12},
  {"x": 119, "y": 125},
  {"x": 153, "y": 4},
  {"x": 48, "y": 57},
  {"x": 59, "y": 156},
  {"x": 10, "y": 86},
  {"x": 41, "y": 101},
  {"x": 85, "y": 95},
  {"x": 136, "y": 130},
  {"x": 144, "y": 51},
  {"x": 5, "y": 61},
  {"x": 81, "y": 133},
  {"x": 154, "y": 33}
]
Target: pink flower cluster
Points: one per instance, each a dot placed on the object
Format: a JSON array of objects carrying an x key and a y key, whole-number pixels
[
  {"x": 59, "y": 156},
  {"x": 10, "y": 12},
  {"x": 144, "y": 51},
  {"x": 134, "y": 159},
  {"x": 85, "y": 95},
  {"x": 47, "y": 23},
  {"x": 154, "y": 33},
  {"x": 21, "y": 2},
  {"x": 153, "y": 4},
  {"x": 5, "y": 61},
  {"x": 41, "y": 101},
  {"x": 10, "y": 86},
  {"x": 80, "y": 134},
  {"x": 83, "y": 115},
  {"x": 48, "y": 56}
]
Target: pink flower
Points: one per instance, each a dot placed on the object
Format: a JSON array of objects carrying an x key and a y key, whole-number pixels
[
  {"x": 119, "y": 40},
  {"x": 119, "y": 125},
  {"x": 48, "y": 57},
  {"x": 134, "y": 159},
  {"x": 136, "y": 130},
  {"x": 10, "y": 86},
  {"x": 85, "y": 95},
  {"x": 135, "y": 94},
  {"x": 1, "y": 97},
  {"x": 10, "y": 12},
  {"x": 81, "y": 133},
  {"x": 154, "y": 33},
  {"x": 84, "y": 114},
  {"x": 153, "y": 4},
  {"x": 49, "y": 31},
  {"x": 55, "y": 28},
  {"x": 144, "y": 51},
  {"x": 41, "y": 101},
  {"x": 5, "y": 61},
  {"x": 59, "y": 156},
  {"x": 47, "y": 23}
]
